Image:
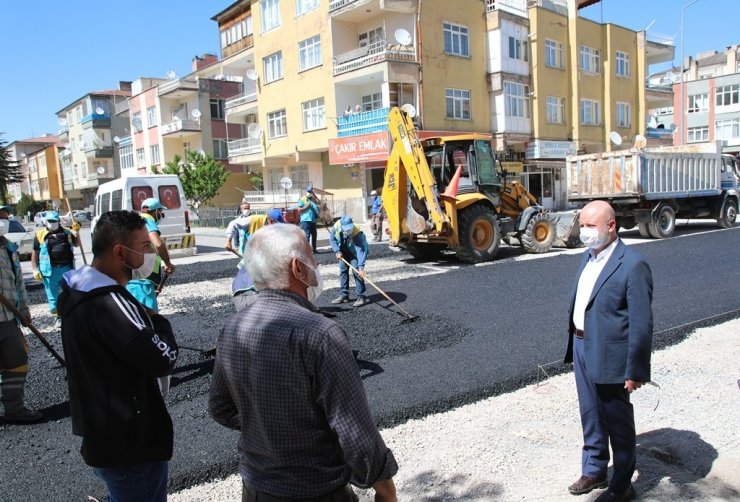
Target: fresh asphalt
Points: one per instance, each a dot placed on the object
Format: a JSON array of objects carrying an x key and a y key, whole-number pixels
[{"x": 482, "y": 330}]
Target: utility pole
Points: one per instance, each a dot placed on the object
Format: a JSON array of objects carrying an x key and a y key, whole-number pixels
[{"x": 683, "y": 129}]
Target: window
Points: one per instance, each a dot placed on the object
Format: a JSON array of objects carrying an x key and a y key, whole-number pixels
[
  {"x": 624, "y": 114},
  {"x": 217, "y": 108},
  {"x": 140, "y": 160},
  {"x": 236, "y": 32},
  {"x": 270, "y": 10},
  {"x": 457, "y": 102},
  {"x": 105, "y": 202},
  {"x": 516, "y": 100},
  {"x": 154, "y": 154},
  {"x": 457, "y": 39},
  {"x": 698, "y": 103},
  {"x": 273, "y": 67},
  {"x": 299, "y": 175},
  {"x": 151, "y": 116},
  {"x": 309, "y": 53},
  {"x": 220, "y": 149},
  {"x": 555, "y": 110},
  {"x": 518, "y": 49},
  {"x": 277, "y": 123},
  {"x": 136, "y": 122},
  {"x": 623, "y": 64},
  {"x": 589, "y": 59},
  {"x": 276, "y": 173},
  {"x": 116, "y": 200},
  {"x": 554, "y": 54},
  {"x": 371, "y": 37},
  {"x": 372, "y": 101},
  {"x": 83, "y": 169},
  {"x": 727, "y": 129},
  {"x": 303, "y": 6},
  {"x": 590, "y": 112},
  {"x": 697, "y": 134},
  {"x": 169, "y": 196},
  {"x": 139, "y": 194},
  {"x": 126, "y": 153},
  {"x": 728, "y": 95},
  {"x": 314, "y": 116}
]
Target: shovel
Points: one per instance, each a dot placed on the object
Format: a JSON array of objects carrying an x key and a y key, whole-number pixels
[
  {"x": 409, "y": 317},
  {"x": 28, "y": 324}
]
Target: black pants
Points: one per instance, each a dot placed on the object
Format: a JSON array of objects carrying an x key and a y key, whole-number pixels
[{"x": 343, "y": 494}]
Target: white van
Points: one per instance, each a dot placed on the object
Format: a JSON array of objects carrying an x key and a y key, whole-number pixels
[{"x": 129, "y": 192}]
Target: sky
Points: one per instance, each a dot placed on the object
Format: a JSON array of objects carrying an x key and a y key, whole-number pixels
[{"x": 75, "y": 47}]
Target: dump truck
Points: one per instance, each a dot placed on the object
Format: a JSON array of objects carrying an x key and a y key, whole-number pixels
[
  {"x": 448, "y": 193},
  {"x": 652, "y": 187}
]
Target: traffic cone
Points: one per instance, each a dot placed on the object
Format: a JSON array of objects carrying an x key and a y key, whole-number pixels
[{"x": 451, "y": 191}]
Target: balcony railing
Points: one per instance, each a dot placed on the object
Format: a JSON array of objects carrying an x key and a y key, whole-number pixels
[
  {"x": 660, "y": 39},
  {"x": 363, "y": 123},
  {"x": 238, "y": 46},
  {"x": 338, "y": 4},
  {"x": 180, "y": 125},
  {"x": 244, "y": 146},
  {"x": 372, "y": 54},
  {"x": 240, "y": 100},
  {"x": 99, "y": 152},
  {"x": 666, "y": 88},
  {"x": 518, "y": 7},
  {"x": 121, "y": 107},
  {"x": 97, "y": 119},
  {"x": 178, "y": 85}
]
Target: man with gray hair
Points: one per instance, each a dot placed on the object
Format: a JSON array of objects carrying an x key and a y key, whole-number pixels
[{"x": 286, "y": 378}]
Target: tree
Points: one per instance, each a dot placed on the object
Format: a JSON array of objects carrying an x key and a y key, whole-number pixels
[
  {"x": 27, "y": 205},
  {"x": 200, "y": 174},
  {"x": 10, "y": 171}
]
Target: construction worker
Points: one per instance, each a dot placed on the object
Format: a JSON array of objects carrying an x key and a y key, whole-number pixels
[
  {"x": 308, "y": 205},
  {"x": 52, "y": 256},
  {"x": 145, "y": 289},
  {"x": 241, "y": 229},
  {"x": 376, "y": 211},
  {"x": 13, "y": 346},
  {"x": 349, "y": 243},
  {"x": 244, "y": 209}
]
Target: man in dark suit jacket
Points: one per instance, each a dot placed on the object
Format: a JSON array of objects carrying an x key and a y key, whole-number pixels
[{"x": 609, "y": 344}]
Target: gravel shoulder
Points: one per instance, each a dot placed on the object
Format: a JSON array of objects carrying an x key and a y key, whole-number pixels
[{"x": 526, "y": 445}]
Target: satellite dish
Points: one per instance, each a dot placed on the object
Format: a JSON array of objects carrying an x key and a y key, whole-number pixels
[
  {"x": 640, "y": 141},
  {"x": 252, "y": 75},
  {"x": 615, "y": 138},
  {"x": 62, "y": 121},
  {"x": 195, "y": 113},
  {"x": 23, "y": 155},
  {"x": 409, "y": 110},
  {"x": 254, "y": 130},
  {"x": 403, "y": 37},
  {"x": 672, "y": 127},
  {"x": 100, "y": 170},
  {"x": 99, "y": 110},
  {"x": 171, "y": 74},
  {"x": 652, "y": 122},
  {"x": 116, "y": 139}
]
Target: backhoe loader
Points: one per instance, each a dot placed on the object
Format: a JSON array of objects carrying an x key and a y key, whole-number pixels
[{"x": 477, "y": 208}]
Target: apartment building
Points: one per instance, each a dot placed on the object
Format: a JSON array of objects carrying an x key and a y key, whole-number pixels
[
  {"x": 87, "y": 128},
  {"x": 39, "y": 161}
]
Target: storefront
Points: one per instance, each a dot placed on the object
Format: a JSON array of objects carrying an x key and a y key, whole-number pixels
[{"x": 544, "y": 173}]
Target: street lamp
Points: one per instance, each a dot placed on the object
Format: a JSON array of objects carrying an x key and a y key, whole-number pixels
[{"x": 683, "y": 128}]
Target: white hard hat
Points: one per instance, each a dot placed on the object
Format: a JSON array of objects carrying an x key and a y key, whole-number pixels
[{"x": 374, "y": 192}]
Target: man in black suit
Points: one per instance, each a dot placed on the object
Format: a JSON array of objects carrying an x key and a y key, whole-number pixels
[{"x": 609, "y": 344}]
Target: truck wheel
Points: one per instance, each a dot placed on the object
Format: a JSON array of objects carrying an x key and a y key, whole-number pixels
[
  {"x": 728, "y": 214},
  {"x": 664, "y": 224},
  {"x": 644, "y": 232},
  {"x": 539, "y": 235},
  {"x": 625, "y": 222},
  {"x": 479, "y": 233},
  {"x": 424, "y": 251}
]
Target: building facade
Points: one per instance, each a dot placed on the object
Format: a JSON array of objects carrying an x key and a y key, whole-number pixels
[{"x": 39, "y": 161}]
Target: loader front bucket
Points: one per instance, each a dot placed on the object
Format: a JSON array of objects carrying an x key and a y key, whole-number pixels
[{"x": 567, "y": 231}]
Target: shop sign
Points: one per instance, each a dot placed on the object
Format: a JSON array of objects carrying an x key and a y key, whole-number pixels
[
  {"x": 359, "y": 149},
  {"x": 540, "y": 149}
]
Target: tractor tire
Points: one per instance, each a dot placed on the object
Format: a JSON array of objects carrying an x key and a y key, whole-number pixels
[
  {"x": 644, "y": 232},
  {"x": 480, "y": 235},
  {"x": 539, "y": 234},
  {"x": 728, "y": 214},
  {"x": 425, "y": 252},
  {"x": 664, "y": 223}
]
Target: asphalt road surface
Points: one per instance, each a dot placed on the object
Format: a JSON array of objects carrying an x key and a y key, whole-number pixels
[{"x": 481, "y": 331}]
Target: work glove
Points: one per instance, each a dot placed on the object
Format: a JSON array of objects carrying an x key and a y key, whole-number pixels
[
  {"x": 37, "y": 274},
  {"x": 76, "y": 226}
]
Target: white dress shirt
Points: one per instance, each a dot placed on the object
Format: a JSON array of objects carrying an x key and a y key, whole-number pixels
[{"x": 586, "y": 282}]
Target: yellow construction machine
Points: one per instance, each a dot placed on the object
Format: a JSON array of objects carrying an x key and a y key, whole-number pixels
[{"x": 477, "y": 208}]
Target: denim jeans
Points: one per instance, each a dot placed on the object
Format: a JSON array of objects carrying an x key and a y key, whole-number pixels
[
  {"x": 344, "y": 279},
  {"x": 311, "y": 232},
  {"x": 135, "y": 483}
]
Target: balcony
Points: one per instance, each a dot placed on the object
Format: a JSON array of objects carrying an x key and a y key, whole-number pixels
[
  {"x": 516, "y": 7},
  {"x": 180, "y": 128},
  {"x": 241, "y": 148},
  {"x": 658, "y": 95},
  {"x": 355, "y": 11},
  {"x": 363, "y": 123},
  {"x": 121, "y": 107},
  {"x": 241, "y": 104},
  {"x": 238, "y": 46},
  {"x": 179, "y": 88},
  {"x": 99, "y": 152},
  {"x": 96, "y": 120},
  {"x": 372, "y": 54},
  {"x": 659, "y": 49}
]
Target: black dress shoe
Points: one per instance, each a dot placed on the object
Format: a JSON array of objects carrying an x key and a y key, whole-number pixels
[
  {"x": 585, "y": 484},
  {"x": 610, "y": 496}
]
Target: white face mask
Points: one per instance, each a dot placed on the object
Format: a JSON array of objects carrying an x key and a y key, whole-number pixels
[
  {"x": 4, "y": 225},
  {"x": 52, "y": 225},
  {"x": 594, "y": 238},
  {"x": 313, "y": 292},
  {"x": 145, "y": 269}
]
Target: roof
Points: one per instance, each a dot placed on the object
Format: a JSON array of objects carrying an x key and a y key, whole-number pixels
[
  {"x": 47, "y": 140},
  {"x": 712, "y": 60},
  {"x": 231, "y": 7},
  {"x": 109, "y": 92},
  {"x": 586, "y": 3}
]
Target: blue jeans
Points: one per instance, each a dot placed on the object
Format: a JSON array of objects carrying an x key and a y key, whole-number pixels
[
  {"x": 135, "y": 483},
  {"x": 309, "y": 228},
  {"x": 344, "y": 279}
]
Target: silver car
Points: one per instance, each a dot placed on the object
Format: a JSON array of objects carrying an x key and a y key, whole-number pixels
[{"x": 18, "y": 234}]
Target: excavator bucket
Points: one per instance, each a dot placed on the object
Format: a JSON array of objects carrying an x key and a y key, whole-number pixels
[{"x": 567, "y": 231}]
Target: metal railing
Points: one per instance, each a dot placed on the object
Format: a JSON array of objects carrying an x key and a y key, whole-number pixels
[
  {"x": 338, "y": 4},
  {"x": 186, "y": 85},
  {"x": 180, "y": 125},
  {"x": 660, "y": 39},
  {"x": 374, "y": 53},
  {"x": 363, "y": 123},
  {"x": 667, "y": 88},
  {"x": 518, "y": 7},
  {"x": 246, "y": 97},
  {"x": 244, "y": 146},
  {"x": 95, "y": 117}
]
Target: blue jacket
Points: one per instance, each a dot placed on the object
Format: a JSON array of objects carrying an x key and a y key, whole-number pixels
[
  {"x": 618, "y": 322},
  {"x": 377, "y": 203},
  {"x": 354, "y": 246}
]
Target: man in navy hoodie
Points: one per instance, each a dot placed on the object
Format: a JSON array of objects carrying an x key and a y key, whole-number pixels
[{"x": 115, "y": 351}]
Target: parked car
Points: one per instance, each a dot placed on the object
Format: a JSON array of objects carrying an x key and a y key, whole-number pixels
[
  {"x": 79, "y": 216},
  {"x": 38, "y": 219},
  {"x": 18, "y": 234}
]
